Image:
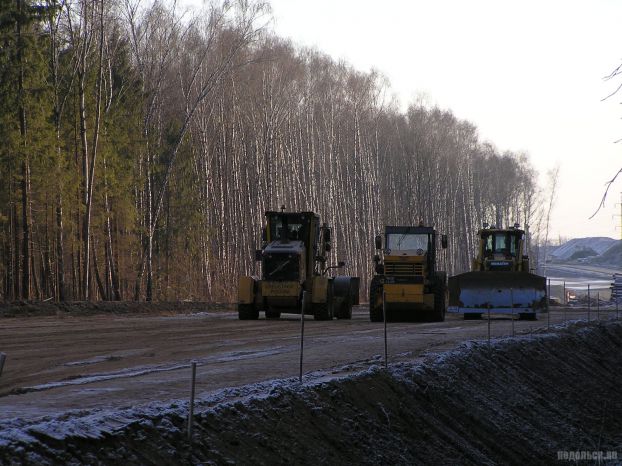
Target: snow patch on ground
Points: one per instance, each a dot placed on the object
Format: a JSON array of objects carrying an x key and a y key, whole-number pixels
[
  {"x": 141, "y": 370},
  {"x": 114, "y": 356},
  {"x": 190, "y": 316}
]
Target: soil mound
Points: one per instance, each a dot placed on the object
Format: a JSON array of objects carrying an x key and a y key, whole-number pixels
[
  {"x": 37, "y": 308},
  {"x": 518, "y": 401}
]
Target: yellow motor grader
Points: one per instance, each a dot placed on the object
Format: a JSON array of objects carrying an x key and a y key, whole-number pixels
[{"x": 294, "y": 259}]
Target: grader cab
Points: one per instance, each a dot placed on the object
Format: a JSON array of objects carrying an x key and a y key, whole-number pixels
[{"x": 294, "y": 260}]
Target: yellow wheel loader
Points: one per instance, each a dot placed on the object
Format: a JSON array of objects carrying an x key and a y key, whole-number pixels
[
  {"x": 407, "y": 284},
  {"x": 294, "y": 259},
  {"x": 500, "y": 280}
]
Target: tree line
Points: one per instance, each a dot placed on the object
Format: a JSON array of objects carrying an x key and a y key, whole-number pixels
[{"x": 141, "y": 146}]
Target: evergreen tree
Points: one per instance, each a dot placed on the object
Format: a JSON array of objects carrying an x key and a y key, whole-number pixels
[{"x": 24, "y": 113}]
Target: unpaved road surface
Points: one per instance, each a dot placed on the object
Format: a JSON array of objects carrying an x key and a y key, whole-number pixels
[
  {"x": 586, "y": 272},
  {"x": 64, "y": 362}
]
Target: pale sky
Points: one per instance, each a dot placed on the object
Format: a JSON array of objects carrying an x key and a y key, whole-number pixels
[{"x": 529, "y": 74}]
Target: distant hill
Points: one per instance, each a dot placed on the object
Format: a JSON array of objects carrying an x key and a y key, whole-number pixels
[
  {"x": 586, "y": 250},
  {"x": 612, "y": 256}
]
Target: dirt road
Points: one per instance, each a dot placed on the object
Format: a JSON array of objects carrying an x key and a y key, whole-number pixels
[
  {"x": 586, "y": 272},
  {"x": 59, "y": 363}
]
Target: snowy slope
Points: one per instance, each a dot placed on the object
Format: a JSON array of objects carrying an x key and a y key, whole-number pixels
[
  {"x": 597, "y": 244},
  {"x": 612, "y": 256}
]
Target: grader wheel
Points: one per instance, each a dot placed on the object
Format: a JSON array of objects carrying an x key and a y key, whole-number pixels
[
  {"x": 272, "y": 314},
  {"x": 440, "y": 305},
  {"x": 321, "y": 311},
  {"x": 247, "y": 312}
]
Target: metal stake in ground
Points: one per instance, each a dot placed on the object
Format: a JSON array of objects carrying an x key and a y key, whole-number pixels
[
  {"x": 2, "y": 359},
  {"x": 565, "y": 301},
  {"x": 488, "y": 324},
  {"x": 384, "y": 314},
  {"x": 598, "y": 305},
  {"x": 191, "y": 408},
  {"x": 589, "y": 303},
  {"x": 512, "y": 302},
  {"x": 305, "y": 297}
]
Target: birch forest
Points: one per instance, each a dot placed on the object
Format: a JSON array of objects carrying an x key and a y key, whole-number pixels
[{"x": 140, "y": 146}]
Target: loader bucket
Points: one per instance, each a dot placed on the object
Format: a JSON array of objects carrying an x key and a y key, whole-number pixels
[{"x": 501, "y": 292}]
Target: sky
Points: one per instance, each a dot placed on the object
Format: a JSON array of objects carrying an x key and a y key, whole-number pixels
[{"x": 529, "y": 74}]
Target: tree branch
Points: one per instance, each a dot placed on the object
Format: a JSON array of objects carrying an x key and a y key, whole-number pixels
[{"x": 602, "y": 201}]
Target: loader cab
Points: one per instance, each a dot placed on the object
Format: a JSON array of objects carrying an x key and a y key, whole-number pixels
[
  {"x": 501, "y": 249},
  {"x": 506, "y": 243}
]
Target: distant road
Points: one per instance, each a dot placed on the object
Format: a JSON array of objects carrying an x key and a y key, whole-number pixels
[{"x": 581, "y": 271}]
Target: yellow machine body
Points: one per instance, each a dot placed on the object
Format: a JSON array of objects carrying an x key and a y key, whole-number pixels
[
  {"x": 407, "y": 284},
  {"x": 500, "y": 280},
  {"x": 293, "y": 261}
]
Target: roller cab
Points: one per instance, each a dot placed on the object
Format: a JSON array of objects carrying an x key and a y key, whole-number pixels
[{"x": 407, "y": 285}]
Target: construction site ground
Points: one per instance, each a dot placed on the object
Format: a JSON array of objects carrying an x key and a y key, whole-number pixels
[
  {"x": 66, "y": 361},
  {"x": 111, "y": 385}
]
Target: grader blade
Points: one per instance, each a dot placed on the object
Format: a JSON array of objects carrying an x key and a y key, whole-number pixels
[{"x": 499, "y": 292}]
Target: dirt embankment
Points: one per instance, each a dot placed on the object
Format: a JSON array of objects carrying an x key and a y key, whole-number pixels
[
  {"x": 519, "y": 401},
  {"x": 37, "y": 308}
]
